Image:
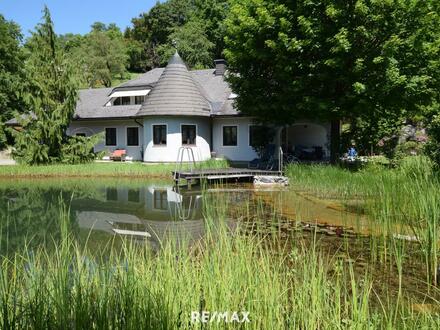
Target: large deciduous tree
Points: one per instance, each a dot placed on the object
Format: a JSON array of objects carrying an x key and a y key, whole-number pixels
[
  {"x": 192, "y": 43},
  {"x": 195, "y": 26},
  {"x": 151, "y": 30},
  {"x": 12, "y": 74},
  {"x": 333, "y": 59},
  {"x": 100, "y": 56}
]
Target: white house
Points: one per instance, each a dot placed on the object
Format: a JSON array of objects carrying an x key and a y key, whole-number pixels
[{"x": 154, "y": 115}]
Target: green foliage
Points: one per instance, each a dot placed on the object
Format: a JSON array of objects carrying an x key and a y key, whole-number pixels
[
  {"x": 100, "y": 56},
  {"x": 191, "y": 42},
  {"x": 374, "y": 134},
  {"x": 432, "y": 147},
  {"x": 195, "y": 26},
  {"x": 52, "y": 98},
  {"x": 79, "y": 149},
  {"x": 333, "y": 59},
  {"x": 152, "y": 30},
  {"x": 213, "y": 13},
  {"x": 3, "y": 138},
  {"x": 262, "y": 136},
  {"x": 409, "y": 148},
  {"x": 12, "y": 74}
]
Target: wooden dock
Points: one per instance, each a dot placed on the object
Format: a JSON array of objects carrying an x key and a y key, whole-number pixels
[{"x": 220, "y": 174}]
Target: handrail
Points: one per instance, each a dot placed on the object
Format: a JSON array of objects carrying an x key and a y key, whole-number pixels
[
  {"x": 179, "y": 211},
  {"x": 179, "y": 161},
  {"x": 281, "y": 161}
]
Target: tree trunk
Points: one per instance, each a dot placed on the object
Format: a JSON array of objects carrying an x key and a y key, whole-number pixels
[{"x": 335, "y": 140}]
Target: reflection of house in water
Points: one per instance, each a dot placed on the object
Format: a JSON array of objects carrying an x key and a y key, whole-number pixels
[{"x": 158, "y": 214}]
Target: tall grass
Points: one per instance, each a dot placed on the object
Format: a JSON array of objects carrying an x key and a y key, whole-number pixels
[
  {"x": 297, "y": 287},
  {"x": 402, "y": 202}
]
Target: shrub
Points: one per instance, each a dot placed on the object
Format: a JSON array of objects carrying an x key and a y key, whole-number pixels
[
  {"x": 2, "y": 136},
  {"x": 79, "y": 149},
  {"x": 432, "y": 147},
  {"x": 409, "y": 148}
]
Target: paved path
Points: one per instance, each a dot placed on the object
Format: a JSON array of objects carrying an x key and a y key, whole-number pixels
[{"x": 5, "y": 158}]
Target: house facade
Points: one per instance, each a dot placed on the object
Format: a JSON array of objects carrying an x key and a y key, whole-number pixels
[{"x": 156, "y": 114}]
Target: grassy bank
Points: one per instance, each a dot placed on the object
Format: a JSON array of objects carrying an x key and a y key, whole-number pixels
[{"x": 111, "y": 169}]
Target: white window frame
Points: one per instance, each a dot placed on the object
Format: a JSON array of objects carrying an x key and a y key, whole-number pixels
[
  {"x": 134, "y": 99},
  {"x": 238, "y": 135},
  {"x": 122, "y": 105},
  {"x": 197, "y": 134},
  {"x": 116, "y": 135},
  {"x": 153, "y": 199},
  {"x": 152, "y": 135}
]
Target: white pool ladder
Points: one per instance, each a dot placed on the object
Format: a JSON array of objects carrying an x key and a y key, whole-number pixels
[{"x": 179, "y": 163}]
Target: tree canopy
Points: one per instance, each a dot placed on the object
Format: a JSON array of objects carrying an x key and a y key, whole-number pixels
[
  {"x": 12, "y": 73},
  {"x": 99, "y": 56},
  {"x": 195, "y": 27},
  {"x": 333, "y": 59}
]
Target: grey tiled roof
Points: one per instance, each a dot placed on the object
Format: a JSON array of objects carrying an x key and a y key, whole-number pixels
[
  {"x": 92, "y": 102},
  {"x": 24, "y": 116},
  {"x": 175, "y": 91},
  {"x": 147, "y": 79}
]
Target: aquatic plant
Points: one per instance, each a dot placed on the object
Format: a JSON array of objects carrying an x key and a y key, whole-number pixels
[{"x": 280, "y": 285}]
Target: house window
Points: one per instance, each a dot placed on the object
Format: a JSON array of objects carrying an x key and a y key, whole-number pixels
[
  {"x": 229, "y": 135},
  {"x": 110, "y": 136},
  {"x": 112, "y": 194},
  {"x": 139, "y": 99},
  {"x": 160, "y": 200},
  {"x": 134, "y": 196},
  {"x": 132, "y": 136},
  {"x": 189, "y": 133},
  {"x": 159, "y": 134},
  {"x": 125, "y": 100}
]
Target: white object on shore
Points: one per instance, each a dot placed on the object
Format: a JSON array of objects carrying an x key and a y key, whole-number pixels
[
  {"x": 132, "y": 233},
  {"x": 406, "y": 237},
  {"x": 271, "y": 180}
]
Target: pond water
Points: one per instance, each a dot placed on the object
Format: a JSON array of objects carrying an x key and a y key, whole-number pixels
[
  {"x": 148, "y": 211},
  {"x": 153, "y": 213}
]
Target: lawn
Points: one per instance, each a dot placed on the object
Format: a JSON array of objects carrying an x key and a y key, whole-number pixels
[{"x": 113, "y": 169}]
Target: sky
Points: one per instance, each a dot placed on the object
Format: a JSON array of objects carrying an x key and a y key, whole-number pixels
[{"x": 73, "y": 16}]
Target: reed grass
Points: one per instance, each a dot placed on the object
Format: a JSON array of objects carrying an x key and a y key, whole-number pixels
[
  {"x": 290, "y": 287},
  {"x": 403, "y": 200}
]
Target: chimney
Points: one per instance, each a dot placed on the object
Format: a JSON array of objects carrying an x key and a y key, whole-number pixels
[{"x": 220, "y": 67}]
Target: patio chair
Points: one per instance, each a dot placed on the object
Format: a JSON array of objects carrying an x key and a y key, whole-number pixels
[{"x": 118, "y": 155}]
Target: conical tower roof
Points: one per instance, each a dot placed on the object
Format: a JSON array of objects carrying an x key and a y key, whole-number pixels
[{"x": 176, "y": 93}]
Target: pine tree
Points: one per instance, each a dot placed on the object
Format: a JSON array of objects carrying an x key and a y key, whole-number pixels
[{"x": 52, "y": 99}]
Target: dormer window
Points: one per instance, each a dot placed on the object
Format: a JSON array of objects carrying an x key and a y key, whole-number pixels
[
  {"x": 139, "y": 99},
  {"x": 125, "y": 100},
  {"x": 127, "y": 97}
]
